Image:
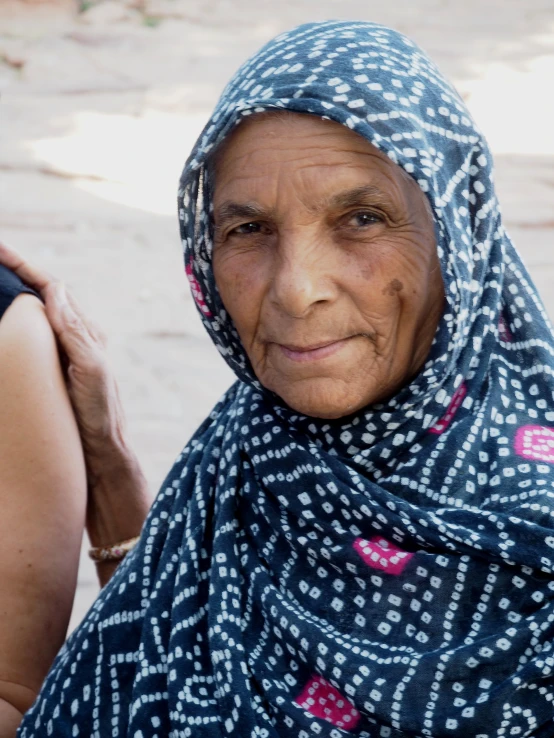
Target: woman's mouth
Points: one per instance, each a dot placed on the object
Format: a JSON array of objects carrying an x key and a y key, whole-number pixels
[{"x": 314, "y": 352}]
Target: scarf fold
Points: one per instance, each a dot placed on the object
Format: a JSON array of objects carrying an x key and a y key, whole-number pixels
[{"x": 388, "y": 574}]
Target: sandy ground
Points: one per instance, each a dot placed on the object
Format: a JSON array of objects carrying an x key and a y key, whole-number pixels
[{"x": 99, "y": 110}]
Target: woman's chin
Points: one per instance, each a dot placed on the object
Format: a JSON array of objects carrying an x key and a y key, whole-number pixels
[{"x": 327, "y": 399}]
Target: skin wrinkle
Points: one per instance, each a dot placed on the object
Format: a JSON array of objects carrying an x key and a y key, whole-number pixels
[{"x": 319, "y": 238}]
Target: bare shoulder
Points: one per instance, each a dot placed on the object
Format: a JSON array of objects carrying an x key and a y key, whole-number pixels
[
  {"x": 25, "y": 332},
  {"x": 32, "y": 386}
]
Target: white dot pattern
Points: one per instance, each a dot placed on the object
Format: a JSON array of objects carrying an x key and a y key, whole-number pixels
[{"x": 387, "y": 576}]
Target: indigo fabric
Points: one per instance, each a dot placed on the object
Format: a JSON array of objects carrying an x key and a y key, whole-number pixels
[
  {"x": 391, "y": 574},
  {"x": 10, "y": 288}
]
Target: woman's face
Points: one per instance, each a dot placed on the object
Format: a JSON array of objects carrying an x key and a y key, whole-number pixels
[{"x": 325, "y": 258}]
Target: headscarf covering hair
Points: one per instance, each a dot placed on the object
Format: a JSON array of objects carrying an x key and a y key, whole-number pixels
[{"x": 388, "y": 574}]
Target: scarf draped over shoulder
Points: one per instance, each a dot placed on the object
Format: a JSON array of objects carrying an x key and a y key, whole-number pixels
[{"x": 391, "y": 574}]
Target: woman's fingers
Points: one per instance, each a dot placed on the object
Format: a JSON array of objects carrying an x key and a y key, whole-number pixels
[
  {"x": 91, "y": 384},
  {"x": 79, "y": 339},
  {"x": 33, "y": 277},
  {"x": 91, "y": 327}
]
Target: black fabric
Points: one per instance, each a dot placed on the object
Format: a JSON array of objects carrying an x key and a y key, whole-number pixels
[{"x": 10, "y": 287}]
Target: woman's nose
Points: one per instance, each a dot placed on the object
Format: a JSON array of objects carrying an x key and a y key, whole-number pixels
[{"x": 304, "y": 273}]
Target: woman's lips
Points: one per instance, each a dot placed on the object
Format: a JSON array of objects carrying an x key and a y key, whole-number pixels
[{"x": 312, "y": 353}]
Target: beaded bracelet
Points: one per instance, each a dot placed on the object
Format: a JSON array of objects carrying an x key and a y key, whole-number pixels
[{"x": 115, "y": 552}]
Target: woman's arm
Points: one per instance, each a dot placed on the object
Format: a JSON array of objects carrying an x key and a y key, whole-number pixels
[{"x": 42, "y": 505}]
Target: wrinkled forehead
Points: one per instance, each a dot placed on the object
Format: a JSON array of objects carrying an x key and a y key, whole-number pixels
[
  {"x": 327, "y": 157},
  {"x": 296, "y": 135}
]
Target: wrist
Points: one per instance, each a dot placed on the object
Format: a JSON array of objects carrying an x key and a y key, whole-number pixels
[
  {"x": 119, "y": 499},
  {"x": 112, "y": 461}
]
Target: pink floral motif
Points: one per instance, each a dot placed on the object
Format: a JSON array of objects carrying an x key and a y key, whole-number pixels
[
  {"x": 196, "y": 291},
  {"x": 457, "y": 399},
  {"x": 381, "y": 554},
  {"x": 535, "y": 442},
  {"x": 322, "y": 700},
  {"x": 504, "y": 332}
]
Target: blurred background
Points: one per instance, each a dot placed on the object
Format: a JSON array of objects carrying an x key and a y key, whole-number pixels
[{"x": 100, "y": 104}]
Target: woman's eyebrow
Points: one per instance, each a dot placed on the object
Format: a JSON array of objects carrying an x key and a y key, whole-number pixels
[
  {"x": 231, "y": 211},
  {"x": 366, "y": 194}
]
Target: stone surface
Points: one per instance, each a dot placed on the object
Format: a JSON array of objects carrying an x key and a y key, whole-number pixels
[{"x": 101, "y": 107}]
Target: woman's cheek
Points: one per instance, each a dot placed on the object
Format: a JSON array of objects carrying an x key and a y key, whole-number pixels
[
  {"x": 395, "y": 270},
  {"x": 240, "y": 285},
  {"x": 375, "y": 276}
]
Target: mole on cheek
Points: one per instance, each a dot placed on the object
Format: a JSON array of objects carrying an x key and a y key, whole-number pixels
[{"x": 393, "y": 287}]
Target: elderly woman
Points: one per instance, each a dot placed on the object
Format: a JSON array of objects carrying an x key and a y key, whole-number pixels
[{"x": 359, "y": 539}]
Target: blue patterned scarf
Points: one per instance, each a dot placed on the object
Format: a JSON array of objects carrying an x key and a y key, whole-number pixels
[{"x": 387, "y": 576}]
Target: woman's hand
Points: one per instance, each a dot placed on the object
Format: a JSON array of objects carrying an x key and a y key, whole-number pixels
[{"x": 118, "y": 495}]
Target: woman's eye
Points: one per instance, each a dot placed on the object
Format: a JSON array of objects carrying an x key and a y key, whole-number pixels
[
  {"x": 363, "y": 218},
  {"x": 246, "y": 228}
]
